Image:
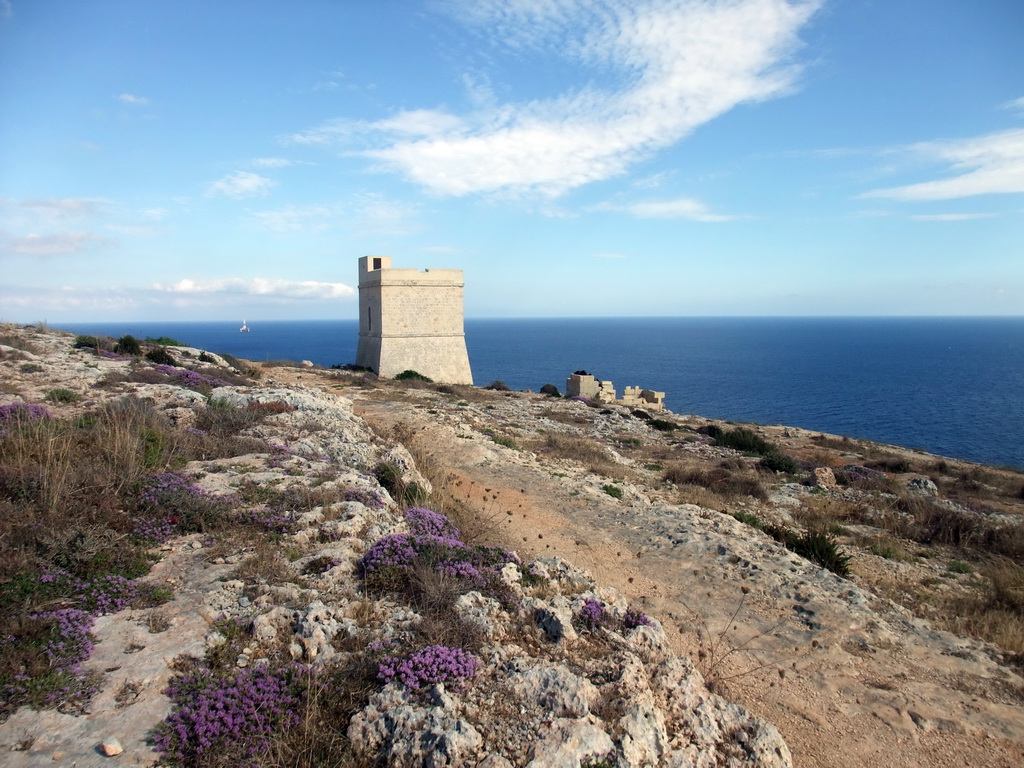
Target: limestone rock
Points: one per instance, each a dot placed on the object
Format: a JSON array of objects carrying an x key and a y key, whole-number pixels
[
  {"x": 567, "y": 741},
  {"x": 409, "y": 736},
  {"x": 922, "y": 486},
  {"x": 825, "y": 478},
  {"x": 555, "y": 688},
  {"x": 111, "y": 747}
]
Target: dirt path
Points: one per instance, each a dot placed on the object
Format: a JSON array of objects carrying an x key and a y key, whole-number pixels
[{"x": 849, "y": 681}]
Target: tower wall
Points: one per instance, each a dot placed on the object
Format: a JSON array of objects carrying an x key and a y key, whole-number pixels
[{"x": 412, "y": 320}]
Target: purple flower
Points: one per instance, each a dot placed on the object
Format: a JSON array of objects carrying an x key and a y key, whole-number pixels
[
  {"x": 592, "y": 615},
  {"x": 394, "y": 550},
  {"x": 428, "y": 666},
  {"x": 634, "y": 618},
  {"x": 22, "y": 413},
  {"x": 234, "y": 716},
  {"x": 426, "y": 522}
]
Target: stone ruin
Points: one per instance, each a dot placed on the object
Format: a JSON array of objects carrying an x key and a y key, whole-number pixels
[{"x": 583, "y": 384}]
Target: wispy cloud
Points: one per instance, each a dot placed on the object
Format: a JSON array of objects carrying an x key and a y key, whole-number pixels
[
  {"x": 54, "y": 210},
  {"x": 6, "y": 9},
  {"x": 68, "y": 299},
  {"x": 50, "y": 245},
  {"x": 131, "y": 98},
  {"x": 682, "y": 62},
  {"x": 259, "y": 286},
  {"x": 363, "y": 214},
  {"x": 1014, "y": 104},
  {"x": 986, "y": 165},
  {"x": 271, "y": 162},
  {"x": 679, "y": 208},
  {"x": 953, "y": 216},
  {"x": 240, "y": 184}
]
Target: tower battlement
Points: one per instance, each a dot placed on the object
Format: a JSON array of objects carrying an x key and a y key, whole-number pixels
[{"x": 412, "y": 320}]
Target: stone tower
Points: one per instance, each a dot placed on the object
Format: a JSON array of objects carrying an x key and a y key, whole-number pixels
[{"x": 411, "y": 320}]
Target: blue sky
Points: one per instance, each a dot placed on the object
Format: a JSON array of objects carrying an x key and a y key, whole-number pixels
[{"x": 219, "y": 160}]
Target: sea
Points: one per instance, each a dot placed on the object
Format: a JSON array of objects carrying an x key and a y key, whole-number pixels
[{"x": 950, "y": 386}]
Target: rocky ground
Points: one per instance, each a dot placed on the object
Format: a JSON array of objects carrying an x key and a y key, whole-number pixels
[{"x": 602, "y": 504}]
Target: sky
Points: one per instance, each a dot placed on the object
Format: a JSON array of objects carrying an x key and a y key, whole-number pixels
[{"x": 224, "y": 160}]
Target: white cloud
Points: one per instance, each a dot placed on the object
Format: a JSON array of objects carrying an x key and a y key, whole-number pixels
[
  {"x": 680, "y": 208},
  {"x": 6, "y": 10},
  {"x": 240, "y": 184},
  {"x": 364, "y": 214},
  {"x": 271, "y": 162},
  {"x": 67, "y": 299},
  {"x": 55, "y": 210},
  {"x": 130, "y": 98},
  {"x": 989, "y": 164},
  {"x": 953, "y": 216},
  {"x": 682, "y": 62},
  {"x": 259, "y": 286},
  {"x": 54, "y": 244},
  {"x": 1014, "y": 104}
]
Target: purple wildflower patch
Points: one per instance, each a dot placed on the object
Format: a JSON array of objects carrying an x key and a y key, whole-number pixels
[
  {"x": 368, "y": 498},
  {"x": 634, "y": 618},
  {"x": 270, "y": 519},
  {"x": 170, "y": 502},
  {"x": 234, "y": 717},
  {"x": 429, "y": 666},
  {"x": 23, "y": 413},
  {"x": 64, "y": 638},
  {"x": 394, "y": 550},
  {"x": 426, "y": 522},
  {"x": 189, "y": 379},
  {"x": 434, "y": 543},
  {"x": 593, "y": 615}
]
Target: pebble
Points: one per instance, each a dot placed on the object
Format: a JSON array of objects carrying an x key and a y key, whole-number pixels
[{"x": 111, "y": 747}]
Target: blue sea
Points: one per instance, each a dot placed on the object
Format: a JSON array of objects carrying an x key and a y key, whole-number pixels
[{"x": 951, "y": 386}]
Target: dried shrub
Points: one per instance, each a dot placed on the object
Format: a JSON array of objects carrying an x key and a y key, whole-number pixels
[
  {"x": 585, "y": 450},
  {"x": 224, "y": 419},
  {"x": 719, "y": 479}
]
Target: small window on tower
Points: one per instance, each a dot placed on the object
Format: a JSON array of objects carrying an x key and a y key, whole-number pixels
[
  {"x": 369, "y": 319},
  {"x": 376, "y": 263}
]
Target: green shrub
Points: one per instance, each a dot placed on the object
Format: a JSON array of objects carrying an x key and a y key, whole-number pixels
[
  {"x": 777, "y": 461},
  {"x": 819, "y": 547},
  {"x": 61, "y": 395},
  {"x": 661, "y": 425},
  {"x": 550, "y": 389},
  {"x": 128, "y": 345},
  {"x": 160, "y": 356},
  {"x": 87, "y": 342},
  {"x": 612, "y": 490},
  {"x": 30, "y": 368},
  {"x": 505, "y": 441},
  {"x": 164, "y": 341},
  {"x": 410, "y": 375},
  {"x": 748, "y": 518},
  {"x": 745, "y": 441},
  {"x": 499, "y": 386},
  {"x": 958, "y": 566}
]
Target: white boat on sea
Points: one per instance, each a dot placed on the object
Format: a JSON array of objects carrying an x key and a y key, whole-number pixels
[{"x": 244, "y": 328}]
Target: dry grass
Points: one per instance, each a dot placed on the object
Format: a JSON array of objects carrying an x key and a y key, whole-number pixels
[
  {"x": 580, "y": 449},
  {"x": 267, "y": 564},
  {"x": 722, "y": 481}
]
